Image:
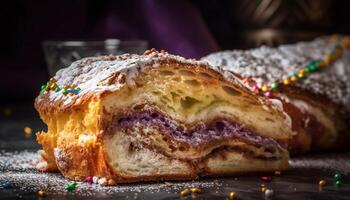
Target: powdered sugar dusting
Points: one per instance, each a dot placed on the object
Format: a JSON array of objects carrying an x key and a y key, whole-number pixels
[
  {"x": 17, "y": 168},
  {"x": 266, "y": 65},
  {"x": 90, "y": 74}
]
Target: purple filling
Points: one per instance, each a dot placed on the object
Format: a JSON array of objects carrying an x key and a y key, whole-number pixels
[{"x": 215, "y": 130}]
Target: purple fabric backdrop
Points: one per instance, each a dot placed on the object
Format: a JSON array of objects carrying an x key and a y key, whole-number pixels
[{"x": 175, "y": 26}]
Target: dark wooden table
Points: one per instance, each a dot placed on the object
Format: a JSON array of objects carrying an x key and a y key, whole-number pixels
[{"x": 19, "y": 179}]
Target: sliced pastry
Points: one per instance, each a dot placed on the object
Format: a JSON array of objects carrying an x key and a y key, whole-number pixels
[
  {"x": 312, "y": 79},
  {"x": 157, "y": 117}
]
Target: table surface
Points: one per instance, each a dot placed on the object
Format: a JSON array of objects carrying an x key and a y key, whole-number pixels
[{"x": 19, "y": 179}]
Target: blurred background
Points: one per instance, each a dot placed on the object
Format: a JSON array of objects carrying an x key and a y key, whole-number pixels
[
  {"x": 191, "y": 28},
  {"x": 34, "y": 37}
]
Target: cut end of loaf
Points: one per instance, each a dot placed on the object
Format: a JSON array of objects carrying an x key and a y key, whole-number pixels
[{"x": 172, "y": 121}]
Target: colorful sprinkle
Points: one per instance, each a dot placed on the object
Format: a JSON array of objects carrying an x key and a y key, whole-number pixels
[
  {"x": 43, "y": 88},
  {"x": 301, "y": 75},
  {"x": 95, "y": 179},
  {"x": 269, "y": 193},
  {"x": 338, "y": 183},
  {"x": 71, "y": 186},
  {"x": 89, "y": 180},
  {"x": 266, "y": 178},
  {"x": 232, "y": 195},
  {"x": 184, "y": 192},
  {"x": 57, "y": 89},
  {"x": 286, "y": 82},
  {"x": 274, "y": 86},
  {"x": 264, "y": 88},
  {"x": 322, "y": 183},
  {"x": 308, "y": 69},
  {"x": 293, "y": 78},
  {"x": 51, "y": 85},
  {"x": 27, "y": 132},
  {"x": 267, "y": 94},
  {"x": 256, "y": 88},
  {"x": 196, "y": 190},
  {"x": 41, "y": 193},
  {"x": 314, "y": 65},
  {"x": 337, "y": 177}
]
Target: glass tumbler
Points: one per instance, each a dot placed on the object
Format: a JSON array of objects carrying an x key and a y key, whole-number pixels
[{"x": 60, "y": 54}]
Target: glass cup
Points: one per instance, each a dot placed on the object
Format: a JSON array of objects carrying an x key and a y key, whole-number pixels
[{"x": 60, "y": 54}]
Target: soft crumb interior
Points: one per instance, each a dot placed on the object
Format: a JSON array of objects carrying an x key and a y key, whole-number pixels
[
  {"x": 193, "y": 97},
  {"x": 189, "y": 98},
  {"x": 129, "y": 158}
]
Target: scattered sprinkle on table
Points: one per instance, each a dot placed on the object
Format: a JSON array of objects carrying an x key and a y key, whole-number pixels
[
  {"x": 322, "y": 183},
  {"x": 338, "y": 183},
  {"x": 269, "y": 193},
  {"x": 266, "y": 178},
  {"x": 41, "y": 193},
  {"x": 232, "y": 195},
  {"x": 27, "y": 131},
  {"x": 337, "y": 180},
  {"x": 196, "y": 190},
  {"x": 337, "y": 177},
  {"x": 89, "y": 179},
  {"x": 71, "y": 186},
  {"x": 184, "y": 192}
]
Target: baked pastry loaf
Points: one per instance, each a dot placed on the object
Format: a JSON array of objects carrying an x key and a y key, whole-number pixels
[
  {"x": 319, "y": 105},
  {"x": 157, "y": 117}
]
